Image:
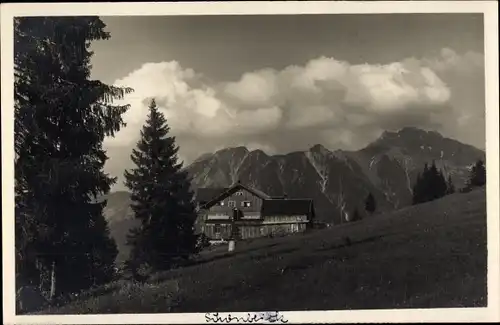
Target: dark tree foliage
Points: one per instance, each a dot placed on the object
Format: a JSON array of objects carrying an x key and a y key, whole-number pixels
[
  {"x": 430, "y": 185},
  {"x": 161, "y": 199},
  {"x": 370, "y": 203},
  {"x": 356, "y": 216},
  {"x": 450, "y": 187},
  {"x": 417, "y": 190},
  {"x": 477, "y": 176},
  {"x": 61, "y": 119}
]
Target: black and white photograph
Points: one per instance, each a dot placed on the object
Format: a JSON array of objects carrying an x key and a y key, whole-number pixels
[{"x": 250, "y": 163}]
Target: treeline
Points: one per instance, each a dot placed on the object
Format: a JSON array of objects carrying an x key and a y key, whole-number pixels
[
  {"x": 477, "y": 177},
  {"x": 431, "y": 183},
  {"x": 62, "y": 240}
]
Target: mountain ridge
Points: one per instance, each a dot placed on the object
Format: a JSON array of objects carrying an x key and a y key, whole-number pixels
[
  {"x": 390, "y": 164},
  {"x": 387, "y": 168}
]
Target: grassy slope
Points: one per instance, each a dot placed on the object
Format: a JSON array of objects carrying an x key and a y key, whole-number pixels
[{"x": 431, "y": 255}]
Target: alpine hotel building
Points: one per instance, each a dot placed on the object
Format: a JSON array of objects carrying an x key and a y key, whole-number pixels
[{"x": 241, "y": 212}]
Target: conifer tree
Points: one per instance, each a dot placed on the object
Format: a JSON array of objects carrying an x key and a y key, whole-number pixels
[
  {"x": 425, "y": 184},
  {"x": 437, "y": 183},
  {"x": 370, "y": 203},
  {"x": 417, "y": 190},
  {"x": 61, "y": 119},
  {"x": 450, "y": 188},
  {"x": 430, "y": 185},
  {"x": 477, "y": 177},
  {"x": 161, "y": 199}
]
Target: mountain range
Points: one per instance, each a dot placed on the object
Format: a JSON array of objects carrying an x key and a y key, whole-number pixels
[{"x": 387, "y": 168}]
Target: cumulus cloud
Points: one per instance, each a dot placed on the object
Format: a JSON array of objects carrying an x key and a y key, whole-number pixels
[{"x": 326, "y": 101}]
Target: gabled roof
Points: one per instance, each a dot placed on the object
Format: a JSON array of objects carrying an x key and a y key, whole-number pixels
[
  {"x": 203, "y": 195},
  {"x": 280, "y": 207},
  {"x": 234, "y": 188}
]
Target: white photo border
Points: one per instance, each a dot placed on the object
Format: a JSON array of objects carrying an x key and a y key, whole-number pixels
[{"x": 488, "y": 8}]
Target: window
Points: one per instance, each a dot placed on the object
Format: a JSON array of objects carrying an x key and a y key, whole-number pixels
[
  {"x": 231, "y": 204},
  {"x": 217, "y": 229},
  {"x": 239, "y": 193},
  {"x": 246, "y": 204}
]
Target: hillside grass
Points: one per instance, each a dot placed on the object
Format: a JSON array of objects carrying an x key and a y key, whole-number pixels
[{"x": 433, "y": 255}]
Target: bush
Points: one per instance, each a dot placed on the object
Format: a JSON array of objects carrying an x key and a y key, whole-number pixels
[{"x": 202, "y": 242}]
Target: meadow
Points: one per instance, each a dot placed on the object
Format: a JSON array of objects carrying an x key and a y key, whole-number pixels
[{"x": 432, "y": 255}]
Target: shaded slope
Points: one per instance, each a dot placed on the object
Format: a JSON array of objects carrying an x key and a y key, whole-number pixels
[{"x": 428, "y": 256}]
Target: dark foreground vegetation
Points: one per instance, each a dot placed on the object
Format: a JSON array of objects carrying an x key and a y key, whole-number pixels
[{"x": 431, "y": 255}]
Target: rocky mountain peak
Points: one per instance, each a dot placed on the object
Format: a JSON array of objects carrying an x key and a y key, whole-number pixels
[
  {"x": 410, "y": 138},
  {"x": 319, "y": 149},
  {"x": 258, "y": 153},
  {"x": 233, "y": 151}
]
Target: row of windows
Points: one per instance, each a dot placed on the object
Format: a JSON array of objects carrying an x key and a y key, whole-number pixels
[
  {"x": 232, "y": 204},
  {"x": 286, "y": 218},
  {"x": 226, "y": 216},
  {"x": 253, "y": 230}
]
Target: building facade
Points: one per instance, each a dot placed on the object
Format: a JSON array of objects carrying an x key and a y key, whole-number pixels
[{"x": 241, "y": 212}]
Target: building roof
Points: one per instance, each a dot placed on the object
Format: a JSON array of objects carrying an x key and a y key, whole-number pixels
[
  {"x": 204, "y": 195},
  {"x": 279, "y": 207},
  {"x": 254, "y": 191},
  {"x": 271, "y": 206},
  {"x": 228, "y": 191}
]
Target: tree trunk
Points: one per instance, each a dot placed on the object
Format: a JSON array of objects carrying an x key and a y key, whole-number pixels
[{"x": 53, "y": 281}]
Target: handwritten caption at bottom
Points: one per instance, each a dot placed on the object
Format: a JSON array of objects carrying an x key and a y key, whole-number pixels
[{"x": 262, "y": 317}]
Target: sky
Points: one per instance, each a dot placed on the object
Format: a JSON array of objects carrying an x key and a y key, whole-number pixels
[{"x": 283, "y": 83}]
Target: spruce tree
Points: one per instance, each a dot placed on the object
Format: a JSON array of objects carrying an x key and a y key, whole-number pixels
[
  {"x": 477, "y": 177},
  {"x": 450, "y": 188},
  {"x": 425, "y": 187},
  {"x": 437, "y": 183},
  {"x": 370, "y": 203},
  {"x": 161, "y": 199},
  {"x": 61, "y": 119},
  {"x": 430, "y": 185},
  {"x": 432, "y": 178},
  {"x": 417, "y": 190}
]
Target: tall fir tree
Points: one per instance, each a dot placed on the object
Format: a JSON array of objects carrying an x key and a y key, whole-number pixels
[
  {"x": 437, "y": 183},
  {"x": 161, "y": 199},
  {"x": 425, "y": 186},
  {"x": 61, "y": 119},
  {"x": 370, "y": 203}
]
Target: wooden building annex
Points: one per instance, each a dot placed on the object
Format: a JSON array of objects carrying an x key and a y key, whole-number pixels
[{"x": 244, "y": 212}]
